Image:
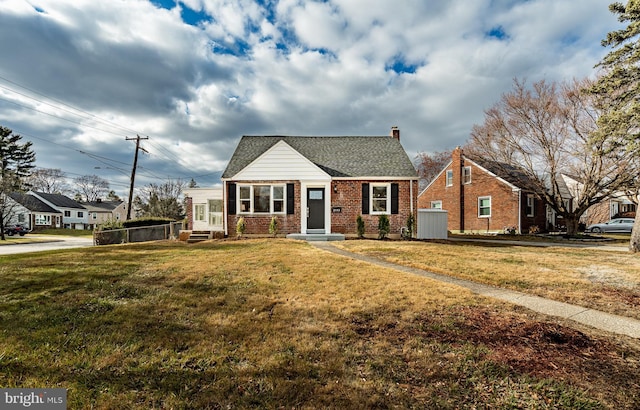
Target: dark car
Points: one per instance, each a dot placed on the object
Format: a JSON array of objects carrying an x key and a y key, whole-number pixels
[
  {"x": 15, "y": 230},
  {"x": 614, "y": 225}
]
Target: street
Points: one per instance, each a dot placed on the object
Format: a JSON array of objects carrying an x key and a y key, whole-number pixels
[{"x": 56, "y": 242}]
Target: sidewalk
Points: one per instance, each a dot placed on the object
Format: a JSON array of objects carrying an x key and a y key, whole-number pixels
[{"x": 594, "y": 318}]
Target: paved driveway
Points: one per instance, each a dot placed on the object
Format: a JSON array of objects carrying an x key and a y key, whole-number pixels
[{"x": 54, "y": 242}]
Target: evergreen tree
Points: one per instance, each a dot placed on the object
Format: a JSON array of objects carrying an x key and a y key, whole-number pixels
[
  {"x": 16, "y": 163},
  {"x": 619, "y": 88}
]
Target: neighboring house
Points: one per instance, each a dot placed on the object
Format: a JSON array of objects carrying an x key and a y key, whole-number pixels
[
  {"x": 33, "y": 213},
  {"x": 481, "y": 197},
  {"x": 319, "y": 185},
  {"x": 101, "y": 211},
  {"x": 619, "y": 206},
  {"x": 205, "y": 209},
  {"x": 74, "y": 215}
]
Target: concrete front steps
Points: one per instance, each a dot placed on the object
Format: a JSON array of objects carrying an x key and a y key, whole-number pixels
[
  {"x": 199, "y": 236},
  {"x": 316, "y": 237}
]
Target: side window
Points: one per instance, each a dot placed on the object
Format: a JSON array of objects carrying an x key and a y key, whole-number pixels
[
  {"x": 449, "y": 178},
  {"x": 484, "y": 207},
  {"x": 466, "y": 175}
]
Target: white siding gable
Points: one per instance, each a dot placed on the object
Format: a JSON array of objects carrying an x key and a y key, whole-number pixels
[{"x": 281, "y": 162}]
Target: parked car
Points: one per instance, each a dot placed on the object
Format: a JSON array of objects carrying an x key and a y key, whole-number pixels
[
  {"x": 15, "y": 230},
  {"x": 614, "y": 225}
]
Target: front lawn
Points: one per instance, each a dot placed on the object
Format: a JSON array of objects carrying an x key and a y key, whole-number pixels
[
  {"x": 603, "y": 280},
  {"x": 273, "y": 323}
]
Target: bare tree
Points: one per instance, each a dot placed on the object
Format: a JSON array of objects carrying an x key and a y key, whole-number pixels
[
  {"x": 91, "y": 187},
  {"x": 430, "y": 165},
  {"x": 49, "y": 181},
  {"x": 548, "y": 132}
]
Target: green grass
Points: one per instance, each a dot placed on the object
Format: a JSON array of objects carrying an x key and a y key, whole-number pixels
[
  {"x": 65, "y": 232},
  {"x": 280, "y": 324}
]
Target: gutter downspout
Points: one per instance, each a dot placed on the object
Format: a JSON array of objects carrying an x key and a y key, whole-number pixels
[{"x": 520, "y": 211}]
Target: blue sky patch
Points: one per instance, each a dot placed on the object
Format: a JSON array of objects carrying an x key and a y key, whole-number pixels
[
  {"x": 497, "y": 33},
  {"x": 192, "y": 17},
  {"x": 400, "y": 66},
  {"x": 164, "y": 4}
]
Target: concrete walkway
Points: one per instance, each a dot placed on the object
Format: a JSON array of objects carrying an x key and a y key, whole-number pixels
[{"x": 594, "y": 318}]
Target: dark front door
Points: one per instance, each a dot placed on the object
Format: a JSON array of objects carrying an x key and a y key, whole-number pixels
[{"x": 315, "y": 203}]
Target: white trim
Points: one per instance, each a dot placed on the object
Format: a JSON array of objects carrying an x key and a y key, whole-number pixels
[
  {"x": 446, "y": 178},
  {"x": 251, "y": 210},
  {"x": 376, "y": 178},
  {"x": 462, "y": 176},
  {"x": 387, "y": 186},
  {"x": 304, "y": 185},
  {"x": 438, "y": 201},
  {"x": 490, "y": 206}
]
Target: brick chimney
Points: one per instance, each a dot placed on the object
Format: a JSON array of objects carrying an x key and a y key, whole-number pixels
[{"x": 395, "y": 132}]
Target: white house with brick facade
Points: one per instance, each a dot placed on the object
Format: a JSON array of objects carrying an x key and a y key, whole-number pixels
[{"x": 318, "y": 185}]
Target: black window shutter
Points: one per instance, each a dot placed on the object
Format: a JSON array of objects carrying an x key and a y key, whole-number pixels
[
  {"x": 394, "y": 198},
  {"x": 231, "y": 198},
  {"x": 365, "y": 199},
  {"x": 291, "y": 200}
]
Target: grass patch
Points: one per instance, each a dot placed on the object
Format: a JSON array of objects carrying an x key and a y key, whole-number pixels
[
  {"x": 65, "y": 232},
  {"x": 277, "y": 323},
  {"x": 603, "y": 280}
]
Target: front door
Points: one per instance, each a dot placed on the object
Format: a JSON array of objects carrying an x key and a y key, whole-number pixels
[{"x": 315, "y": 206}]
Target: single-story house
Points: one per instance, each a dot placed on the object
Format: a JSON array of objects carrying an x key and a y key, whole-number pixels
[
  {"x": 100, "y": 211},
  {"x": 319, "y": 184},
  {"x": 205, "y": 210},
  {"x": 480, "y": 196},
  {"x": 74, "y": 215},
  {"x": 33, "y": 213}
]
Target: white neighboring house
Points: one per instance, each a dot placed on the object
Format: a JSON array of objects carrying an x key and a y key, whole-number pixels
[
  {"x": 74, "y": 215},
  {"x": 33, "y": 213},
  {"x": 100, "y": 211},
  {"x": 205, "y": 207}
]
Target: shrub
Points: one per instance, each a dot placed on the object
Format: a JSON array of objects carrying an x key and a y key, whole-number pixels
[
  {"x": 360, "y": 226},
  {"x": 273, "y": 226},
  {"x": 110, "y": 225},
  {"x": 411, "y": 225},
  {"x": 384, "y": 227},
  {"x": 241, "y": 226}
]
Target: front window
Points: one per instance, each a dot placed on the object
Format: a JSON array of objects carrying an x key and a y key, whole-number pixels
[
  {"x": 198, "y": 211},
  {"x": 449, "y": 177},
  {"x": 21, "y": 218},
  {"x": 67, "y": 214},
  {"x": 484, "y": 207},
  {"x": 94, "y": 215},
  {"x": 380, "y": 198},
  {"x": 261, "y": 199},
  {"x": 215, "y": 212},
  {"x": 80, "y": 214},
  {"x": 436, "y": 204},
  {"x": 43, "y": 219}
]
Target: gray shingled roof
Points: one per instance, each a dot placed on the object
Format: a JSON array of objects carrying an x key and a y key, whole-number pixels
[
  {"x": 337, "y": 156},
  {"x": 32, "y": 203},
  {"x": 101, "y": 205},
  {"x": 59, "y": 200}
]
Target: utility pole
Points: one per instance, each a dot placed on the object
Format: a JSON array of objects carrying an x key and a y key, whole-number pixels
[{"x": 133, "y": 171}]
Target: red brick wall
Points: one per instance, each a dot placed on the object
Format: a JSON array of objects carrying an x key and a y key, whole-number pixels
[
  {"x": 189, "y": 208},
  {"x": 349, "y": 199}
]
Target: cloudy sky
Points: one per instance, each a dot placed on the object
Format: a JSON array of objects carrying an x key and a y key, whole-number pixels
[{"x": 77, "y": 77}]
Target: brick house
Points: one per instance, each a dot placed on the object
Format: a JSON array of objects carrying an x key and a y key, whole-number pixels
[
  {"x": 481, "y": 196},
  {"x": 319, "y": 185}
]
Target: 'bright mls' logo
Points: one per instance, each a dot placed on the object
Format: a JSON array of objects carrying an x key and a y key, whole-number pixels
[{"x": 42, "y": 399}]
